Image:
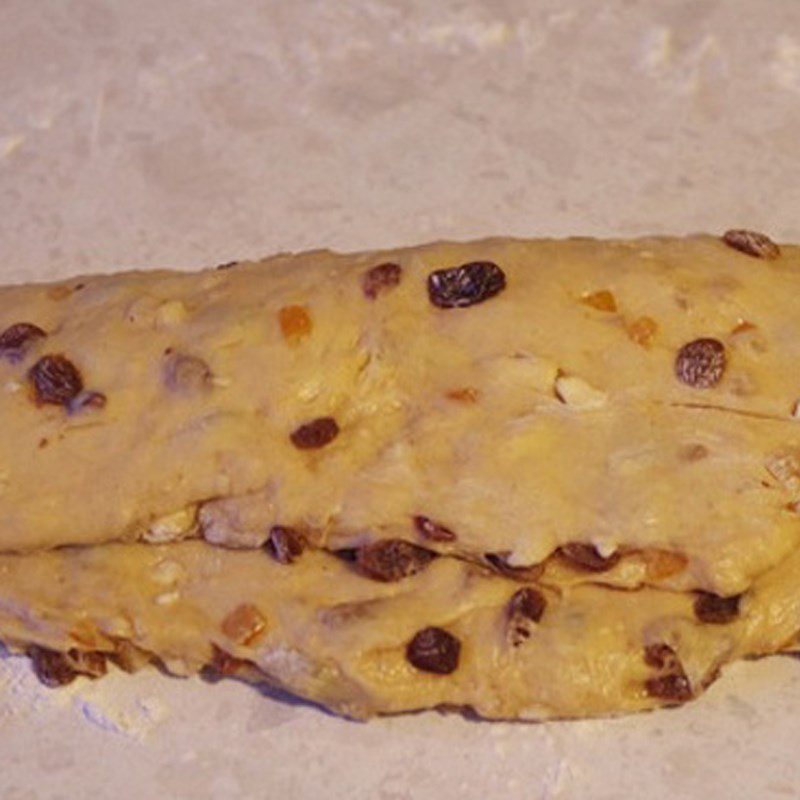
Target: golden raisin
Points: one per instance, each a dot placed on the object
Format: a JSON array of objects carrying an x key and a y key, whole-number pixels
[
  {"x": 243, "y": 624},
  {"x": 602, "y": 300},
  {"x": 295, "y": 323},
  {"x": 642, "y": 331},
  {"x": 465, "y": 395}
]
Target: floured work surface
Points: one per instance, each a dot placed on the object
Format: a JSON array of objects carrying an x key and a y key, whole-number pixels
[{"x": 450, "y": 470}]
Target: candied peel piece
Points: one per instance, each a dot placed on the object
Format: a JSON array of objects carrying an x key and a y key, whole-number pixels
[
  {"x": 244, "y": 624},
  {"x": 295, "y": 323},
  {"x": 602, "y": 300},
  {"x": 661, "y": 564},
  {"x": 466, "y": 394},
  {"x": 642, "y": 331}
]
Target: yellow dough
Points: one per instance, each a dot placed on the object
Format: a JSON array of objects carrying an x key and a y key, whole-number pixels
[
  {"x": 534, "y": 478},
  {"x": 328, "y": 634},
  {"x": 322, "y": 631},
  {"x": 544, "y": 414}
]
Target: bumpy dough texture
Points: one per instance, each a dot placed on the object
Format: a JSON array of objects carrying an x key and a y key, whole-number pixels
[
  {"x": 323, "y": 632},
  {"x": 548, "y": 414},
  {"x": 327, "y": 634}
]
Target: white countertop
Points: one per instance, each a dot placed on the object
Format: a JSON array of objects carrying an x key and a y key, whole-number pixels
[{"x": 168, "y": 133}]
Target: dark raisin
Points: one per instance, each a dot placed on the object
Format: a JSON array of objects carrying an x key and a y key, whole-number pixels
[
  {"x": 227, "y": 265},
  {"x": 433, "y": 531},
  {"x": 672, "y": 688},
  {"x": 315, "y": 434},
  {"x": 380, "y": 279},
  {"x": 499, "y": 563},
  {"x": 434, "y": 650},
  {"x": 392, "y": 559},
  {"x": 585, "y": 557},
  {"x": 701, "y": 363},
  {"x": 55, "y": 379},
  {"x": 186, "y": 374},
  {"x": 467, "y": 285},
  {"x": 285, "y": 545},
  {"x": 58, "y": 669},
  {"x": 752, "y": 243},
  {"x": 717, "y": 610},
  {"x": 347, "y": 554},
  {"x": 525, "y": 608},
  {"x": 91, "y": 664},
  {"x": 50, "y": 667},
  {"x": 662, "y": 656},
  {"x": 16, "y": 339},
  {"x": 87, "y": 400},
  {"x": 223, "y": 665}
]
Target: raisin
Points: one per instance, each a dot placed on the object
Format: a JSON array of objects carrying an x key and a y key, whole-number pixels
[
  {"x": 716, "y": 610},
  {"x": 585, "y": 557},
  {"x": 752, "y": 243},
  {"x": 673, "y": 688},
  {"x": 87, "y": 400},
  {"x": 315, "y": 434},
  {"x": 186, "y": 374},
  {"x": 223, "y": 664},
  {"x": 499, "y": 563},
  {"x": 433, "y": 531},
  {"x": 434, "y": 650},
  {"x": 380, "y": 279},
  {"x": 87, "y": 662},
  {"x": 392, "y": 560},
  {"x": 701, "y": 363},
  {"x": 58, "y": 669},
  {"x": 467, "y": 285},
  {"x": 55, "y": 379},
  {"x": 662, "y": 656},
  {"x": 525, "y": 607},
  {"x": 285, "y": 545},
  {"x": 227, "y": 265},
  {"x": 50, "y": 667},
  {"x": 17, "y": 339}
]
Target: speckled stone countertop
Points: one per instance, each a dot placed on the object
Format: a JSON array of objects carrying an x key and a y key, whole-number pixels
[{"x": 167, "y": 133}]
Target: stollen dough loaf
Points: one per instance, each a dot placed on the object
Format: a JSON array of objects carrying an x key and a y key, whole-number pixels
[{"x": 501, "y": 397}]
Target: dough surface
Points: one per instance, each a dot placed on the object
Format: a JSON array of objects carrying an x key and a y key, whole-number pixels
[
  {"x": 546, "y": 414},
  {"x": 532, "y": 478}
]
